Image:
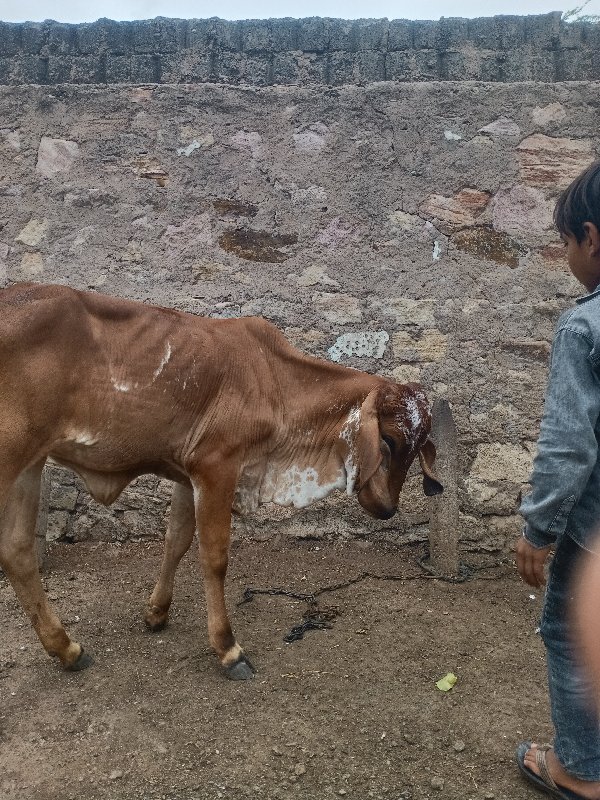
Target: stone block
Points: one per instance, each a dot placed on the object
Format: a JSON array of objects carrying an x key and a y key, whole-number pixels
[
  {"x": 63, "y": 498},
  {"x": 502, "y": 462},
  {"x": 33, "y": 233},
  {"x": 542, "y": 67},
  {"x": 400, "y": 35},
  {"x": 145, "y": 69},
  {"x": 460, "y": 210},
  {"x": 405, "y": 311},
  {"x": 284, "y": 35},
  {"x": 144, "y": 36},
  {"x": 357, "y": 68},
  {"x": 227, "y": 35},
  {"x": 426, "y": 66},
  {"x": 256, "y": 35},
  {"x": 255, "y": 70},
  {"x": 31, "y": 267},
  {"x": 429, "y": 345},
  {"x": 338, "y": 308},
  {"x": 521, "y": 211},
  {"x": 10, "y": 44},
  {"x": 452, "y": 32},
  {"x": 370, "y": 66},
  {"x": 55, "y": 155},
  {"x": 228, "y": 67},
  {"x": 483, "y": 33},
  {"x": 553, "y": 162},
  {"x": 575, "y": 65},
  {"x": 58, "y": 525},
  {"x": 425, "y": 33},
  {"x": 400, "y": 66},
  {"x": 88, "y": 69},
  {"x": 511, "y": 32},
  {"x": 61, "y": 39},
  {"x": 30, "y": 69},
  {"x": 286, "y": 69},
  {"x": 6, "y": 71},
  {"x": 33, "y": 37},
  {"x": 572, "y": 35},
  {"x": 313, "y": 35},
  {"x": 492, "y": 67},
  {"x": 59, "y": 69},
  {"x": 200, "y": 34},
  {"x": 461, "y": 65},
  {"x": 186, "y": 67},
  {"x": 353, "y": 36},
  {"x": 485, "y": 243},
  {"x": 542, "y": 31},
  {"x": 118, "y": 68}
]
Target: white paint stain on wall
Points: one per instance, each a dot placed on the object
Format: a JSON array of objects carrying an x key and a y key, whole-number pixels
[{"x": 364, "y": 344}]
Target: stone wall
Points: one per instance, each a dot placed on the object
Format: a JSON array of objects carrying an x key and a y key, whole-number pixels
[
  {"x": 403, "y": 228},
  {"x": 308, "y": 51}
]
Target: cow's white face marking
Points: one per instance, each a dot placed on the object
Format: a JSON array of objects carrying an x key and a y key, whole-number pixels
[
  {"x": 411, "y": 422},
  {"x": 348, "y": 433},
  {"x": 164, "y": 362}
]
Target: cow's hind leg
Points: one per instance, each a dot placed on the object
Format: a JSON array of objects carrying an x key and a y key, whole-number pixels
[
  {"x": 19, "y": 562},
  {"x": 213, "y": 515},
  {"x": 182, "y": 523}
]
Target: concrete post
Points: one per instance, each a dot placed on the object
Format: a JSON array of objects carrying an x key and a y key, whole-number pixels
[
  {"x": 443, "y": 508},
  {"x": 42, "y": 520}
]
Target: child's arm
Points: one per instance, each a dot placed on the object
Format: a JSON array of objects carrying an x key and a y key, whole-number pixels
[{"x": 567, "y": 444}]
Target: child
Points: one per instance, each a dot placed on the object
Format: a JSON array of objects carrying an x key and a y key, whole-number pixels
[{"x": 563, "y": 508}]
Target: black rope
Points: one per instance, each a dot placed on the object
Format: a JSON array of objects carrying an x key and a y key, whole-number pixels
[{"x": 316, "y": 618}]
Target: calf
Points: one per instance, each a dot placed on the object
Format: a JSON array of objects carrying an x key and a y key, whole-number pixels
[{"x": 226, "y": 409}]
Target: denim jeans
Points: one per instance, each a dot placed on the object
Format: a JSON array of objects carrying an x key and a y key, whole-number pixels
[{"x": 576, "y": 725}]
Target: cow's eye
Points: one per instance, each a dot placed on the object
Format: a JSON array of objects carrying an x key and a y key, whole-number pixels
[{"x": 390, "y": 443}]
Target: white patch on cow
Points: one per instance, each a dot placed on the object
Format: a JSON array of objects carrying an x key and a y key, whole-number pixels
[
  {"x": 348, "y": 433},
  {"x": 82, "y": 437},
  {"x": 121, "y": 387},
  {"x": 298, "y": 487},
  {"x": 164, "y": 362}
]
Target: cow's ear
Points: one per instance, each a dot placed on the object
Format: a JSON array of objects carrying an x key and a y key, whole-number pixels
[
  {"x": 431, "y": 485},
  {"x": 368, "y": 447}
]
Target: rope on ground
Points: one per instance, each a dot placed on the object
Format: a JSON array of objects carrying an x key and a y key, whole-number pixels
[{"x": 316, "y": 618}]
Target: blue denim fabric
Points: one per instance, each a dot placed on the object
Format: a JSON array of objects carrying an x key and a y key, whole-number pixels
[
  {"x": 565, "y": 483},
  {"x": 577, "y": 727}
]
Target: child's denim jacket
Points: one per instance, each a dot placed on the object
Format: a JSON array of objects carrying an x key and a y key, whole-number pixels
[{"x": 565, "y": 493}]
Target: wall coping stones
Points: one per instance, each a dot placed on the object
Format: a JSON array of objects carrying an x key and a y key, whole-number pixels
[{"x": 315, "y": 50}]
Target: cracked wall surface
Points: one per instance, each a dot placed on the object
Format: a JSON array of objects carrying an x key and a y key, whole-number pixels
[{"x": 402, "y": 228}]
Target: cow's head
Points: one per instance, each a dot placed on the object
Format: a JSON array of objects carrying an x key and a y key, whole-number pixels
[{"x": 394, "y": 428}]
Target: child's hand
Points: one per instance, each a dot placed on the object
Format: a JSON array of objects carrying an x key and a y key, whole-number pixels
[{"x": 531, "y": 561}]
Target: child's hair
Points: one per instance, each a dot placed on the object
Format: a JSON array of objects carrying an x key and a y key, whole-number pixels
[{"x": 579, "y": 203}]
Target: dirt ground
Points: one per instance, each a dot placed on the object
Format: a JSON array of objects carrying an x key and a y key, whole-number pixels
[{"x": 352, "y": 711}]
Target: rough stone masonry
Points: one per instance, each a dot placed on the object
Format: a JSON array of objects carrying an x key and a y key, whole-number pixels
[{"x": 396, "y": 219}]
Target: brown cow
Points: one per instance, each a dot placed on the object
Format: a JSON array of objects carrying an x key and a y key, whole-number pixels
[{"x": 227, "y": 409}]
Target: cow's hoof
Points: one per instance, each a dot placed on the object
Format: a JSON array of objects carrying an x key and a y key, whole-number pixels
[
  {"x": 156, "y": 625},
  {"x": 83, "y": 662},
  {"x": 242, "y": 670},
  {"x": 156, "y": 620}
]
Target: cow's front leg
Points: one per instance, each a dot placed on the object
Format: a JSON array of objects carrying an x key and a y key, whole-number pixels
[
  {"x": 19, "y": 562},
  {"x": 182, "y": 523},
  {"x": 213, "y": 518}
]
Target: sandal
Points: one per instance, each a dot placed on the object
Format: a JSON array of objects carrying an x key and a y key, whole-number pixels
[{"x": 544, "y": 781}]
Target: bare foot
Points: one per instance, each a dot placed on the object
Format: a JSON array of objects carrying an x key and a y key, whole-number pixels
[{"x": 588, "y": 789}]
